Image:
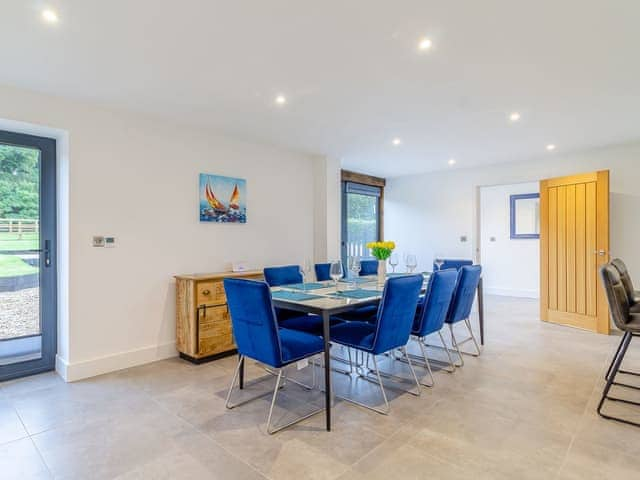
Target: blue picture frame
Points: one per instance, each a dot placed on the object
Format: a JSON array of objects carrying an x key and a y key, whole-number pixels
[{"x": 513, "y": 199}]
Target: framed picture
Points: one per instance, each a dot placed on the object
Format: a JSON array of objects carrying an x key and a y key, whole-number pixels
[
  {"x": 525, "y": 215},
  {"x": 223, "y": 199}
]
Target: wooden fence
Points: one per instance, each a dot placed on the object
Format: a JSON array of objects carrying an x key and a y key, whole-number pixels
[{"x": 19, "y": 226}]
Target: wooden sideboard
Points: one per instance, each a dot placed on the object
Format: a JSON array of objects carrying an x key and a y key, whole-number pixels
[{"x": 203, "y": 326}]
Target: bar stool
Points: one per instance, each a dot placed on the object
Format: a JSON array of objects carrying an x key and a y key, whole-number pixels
[{"x": 627, "y": 318}]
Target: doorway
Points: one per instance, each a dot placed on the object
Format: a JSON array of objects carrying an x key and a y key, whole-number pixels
[
  {"x": 509, "y": 239},
  {"x": 28, "y": 292}
]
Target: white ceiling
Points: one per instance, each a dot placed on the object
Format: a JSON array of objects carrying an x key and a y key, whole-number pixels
[{"x": 350, "y": 70}]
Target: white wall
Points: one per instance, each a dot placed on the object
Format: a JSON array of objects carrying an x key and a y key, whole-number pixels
[
  {"x": 428, "y": 213},
  {"x": 510, "y": 266},
  {"x": 136, "y": 178}
]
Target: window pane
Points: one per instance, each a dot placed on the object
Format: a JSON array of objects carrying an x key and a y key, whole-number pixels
[{"x": 362, "y": 223}]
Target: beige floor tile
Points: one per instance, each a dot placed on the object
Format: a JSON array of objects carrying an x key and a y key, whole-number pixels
[
  {"x": 20, "y": 460},
  {"x": 524, "y": 409},
  {"x": 11, "y": 427}
]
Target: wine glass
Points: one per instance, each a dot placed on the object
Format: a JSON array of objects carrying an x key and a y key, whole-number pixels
[
  {"x": 305, "y": 270},
  {"x": 393, "y": 261},
  {"x": 355, "y": 267},
  {"x": 438, "y": 262},
  {"x": 411, "y": 262},
  {"x": 336, "y": 272}
]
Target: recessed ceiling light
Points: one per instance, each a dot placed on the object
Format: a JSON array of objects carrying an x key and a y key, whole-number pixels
[
  {"x": 452, "y": 161},
  {"x": 280, "y": 100},
  {"x": 514, "y": 116},
  {"x": 425, "y": 44},
  {"x": 396, "y": 141},
  {"x": 551, "y": 147},
  {"x": 49, "y": 16}
]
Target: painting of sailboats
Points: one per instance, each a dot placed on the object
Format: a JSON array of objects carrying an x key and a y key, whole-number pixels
[{"x": 223, "y": 199}]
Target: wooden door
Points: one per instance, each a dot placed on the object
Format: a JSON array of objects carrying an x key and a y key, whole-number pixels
[{"x": 574, "y": 243}]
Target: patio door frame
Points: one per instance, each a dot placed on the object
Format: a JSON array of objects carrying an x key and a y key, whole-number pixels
[
  {"x": 368, "y": 180},
  {"x": 47, "y": 250}
]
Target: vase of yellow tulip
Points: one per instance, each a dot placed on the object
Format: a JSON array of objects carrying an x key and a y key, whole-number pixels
[{"x": 382, "y": 251}]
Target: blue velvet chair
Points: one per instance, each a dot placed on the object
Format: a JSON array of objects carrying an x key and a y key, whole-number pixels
[
  {"x": 322, "y": 271},
  {"x": 391, "y": 330},
  {"x": 368, "y": 267},
  {"x": 287, "y": 275},
  {"x": 452, "y": 263},
  {"x": 460, "y": 310},
  {"x": 432, "y": 313},
  {"x": 258, "y": 337},
  {"x": 278, "y": 276}
]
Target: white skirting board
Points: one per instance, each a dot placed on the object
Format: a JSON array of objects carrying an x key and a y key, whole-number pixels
[
  {"x": 511, "y": 292},
  {"x": 71, "y": 372}
]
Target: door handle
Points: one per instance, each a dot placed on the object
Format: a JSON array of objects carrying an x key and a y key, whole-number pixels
[
  {"x": 47, "y": 253},
  {"x": 600, "y": 253}
]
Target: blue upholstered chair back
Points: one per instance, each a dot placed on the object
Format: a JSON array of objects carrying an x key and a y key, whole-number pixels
[
  {"x": 468, "y": 279},
  {"x": 254, "y": 323},
  {"x": 276, "y": 276},
  {"x": 437, "y": 300},
  {"x": 452, "y": 263},
  {"x": 396, "y": 312},
  {"x": 368, "y": 267},
  {"x": 322, "y": 271}
]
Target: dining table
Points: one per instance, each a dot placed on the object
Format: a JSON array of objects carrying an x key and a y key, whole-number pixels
[{"x": 330, "y": 298}]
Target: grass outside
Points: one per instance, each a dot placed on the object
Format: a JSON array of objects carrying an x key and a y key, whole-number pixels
[
  {"x": 11, "y": 266},
  {"x": 12, "y": 241}
]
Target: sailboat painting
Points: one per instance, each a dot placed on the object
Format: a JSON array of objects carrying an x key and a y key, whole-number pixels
[{"x": 223, "y": 199}]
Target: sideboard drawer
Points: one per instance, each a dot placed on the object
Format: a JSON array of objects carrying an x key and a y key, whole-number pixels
[
  {"x": 215, "y": 322},
  {"x": 210, "y": 293}
]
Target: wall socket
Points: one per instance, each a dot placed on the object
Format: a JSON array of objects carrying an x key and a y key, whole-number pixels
[{"x": 104, "y": 241}]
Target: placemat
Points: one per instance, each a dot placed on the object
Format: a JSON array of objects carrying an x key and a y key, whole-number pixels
[
  {"x": 306, "y": 286},
  {"x": 293, "y": 296},
  {"x": 360, "y": 293},
  {"x": 367, "y": 279}
]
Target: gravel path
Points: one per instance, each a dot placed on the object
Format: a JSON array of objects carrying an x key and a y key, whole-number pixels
[{"x": 19, "y": 313}]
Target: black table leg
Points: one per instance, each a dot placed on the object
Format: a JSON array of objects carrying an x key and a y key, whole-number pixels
[
  {"x": 481, "y": 311},
  {"x": 241, "y": 375},
  {"x": 327, "y": 368}
]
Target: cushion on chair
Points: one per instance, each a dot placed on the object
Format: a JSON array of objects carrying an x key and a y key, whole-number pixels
[
  {"x": 354, "y": 334},
  {"x": 634, "y": 318},
  {"x": 282, "y": 314},
  {"x": 297, "y": 345},
  {"x": 363, "y": 314},
  {"x": 306, "y": 323}
]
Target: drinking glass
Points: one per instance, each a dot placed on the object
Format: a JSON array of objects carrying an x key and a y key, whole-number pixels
[
  {"x": 336, "y": 272},
  {"x": 394, "y": 261},
  {"x": 439, "y": 262},
  {"x": 411, "y": 262},
  {"x": 355, "y": 267},
  {"x": 305, "y": 270}
]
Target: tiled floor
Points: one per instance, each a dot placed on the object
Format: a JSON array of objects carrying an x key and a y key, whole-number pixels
[{"x": 524, "y": 409}]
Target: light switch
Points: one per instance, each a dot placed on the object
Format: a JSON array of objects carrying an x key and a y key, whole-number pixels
[{"x": 98, "y": 241}]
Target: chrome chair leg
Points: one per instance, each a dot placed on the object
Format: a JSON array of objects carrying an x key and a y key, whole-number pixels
[
  {"x": 426, "y": 361},
  {"x": 279, "y": 384},
  {"x": 413, "y": 372},
  {"x": 473, "y": 338},
  {"x": 386, "y": 409},
  {"x": 455, "y": 345},
  {"x": 446, "y": 349},
  {"x": 233, "y": 383}
]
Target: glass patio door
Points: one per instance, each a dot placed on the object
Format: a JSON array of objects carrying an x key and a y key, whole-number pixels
[
  {"x": 360, "y": 219},
  {"x": 27, "y": 254}
]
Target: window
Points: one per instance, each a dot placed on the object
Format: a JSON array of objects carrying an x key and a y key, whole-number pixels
[{"x": 362, "y": 198}]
